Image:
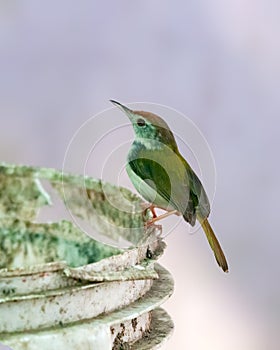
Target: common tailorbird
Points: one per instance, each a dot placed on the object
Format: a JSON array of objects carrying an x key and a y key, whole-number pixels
[{"x": 164, "y": 178}]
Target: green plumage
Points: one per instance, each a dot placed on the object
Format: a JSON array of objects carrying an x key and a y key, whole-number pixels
[
  {"x": 163, "y": 177},
  {"x": 176, "y": 185}
]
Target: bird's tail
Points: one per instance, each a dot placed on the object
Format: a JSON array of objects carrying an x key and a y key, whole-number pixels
[{"x": 214, "y": 244}]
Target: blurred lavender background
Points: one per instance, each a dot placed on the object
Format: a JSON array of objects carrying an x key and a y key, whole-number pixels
[{"x": 217, "y": 62}]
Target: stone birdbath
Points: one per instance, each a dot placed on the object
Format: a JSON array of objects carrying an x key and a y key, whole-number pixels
[{"x": 59, "y": 287}]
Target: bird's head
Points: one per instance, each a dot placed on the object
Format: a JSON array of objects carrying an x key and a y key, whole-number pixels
[{"x": 148, "y": 126}]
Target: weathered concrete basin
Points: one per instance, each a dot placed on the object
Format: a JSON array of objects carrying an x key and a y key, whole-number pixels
[{"x": 59, "y": 286}]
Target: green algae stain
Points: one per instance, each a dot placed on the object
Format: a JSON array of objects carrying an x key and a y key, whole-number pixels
[
  {"x": 21, "y": 197},
  {"x": 23, "y": 242}
]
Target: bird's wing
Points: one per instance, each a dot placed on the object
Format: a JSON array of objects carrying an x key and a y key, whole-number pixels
[
  {"x": 170, "y": 181},
  {"x": 154, "y": 175},
  {"x": 198, "y": 194},
  {"x": 176, "y": 184}
]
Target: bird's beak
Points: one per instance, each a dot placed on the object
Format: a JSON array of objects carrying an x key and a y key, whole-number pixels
[{"x": 126, "y": 110}]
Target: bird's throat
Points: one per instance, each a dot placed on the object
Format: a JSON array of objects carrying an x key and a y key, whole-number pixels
[{"x": 143, "y": 144}]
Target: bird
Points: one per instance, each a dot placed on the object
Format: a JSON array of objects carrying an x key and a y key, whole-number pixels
[{"x": 163, "y": 177}]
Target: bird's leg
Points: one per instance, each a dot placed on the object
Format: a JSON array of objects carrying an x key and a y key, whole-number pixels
[
  {"x": 150, "y": 207},
  {"x": 155, "y": 218},
  {"x": 163, "y": 216}
]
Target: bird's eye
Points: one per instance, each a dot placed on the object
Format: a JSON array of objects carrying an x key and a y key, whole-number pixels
[{"x": 141, "y": 122}]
